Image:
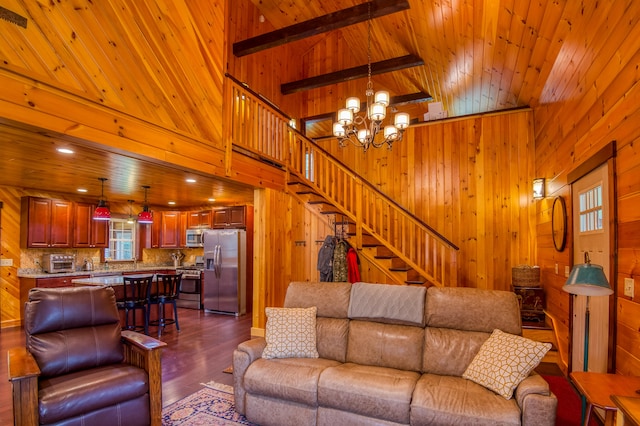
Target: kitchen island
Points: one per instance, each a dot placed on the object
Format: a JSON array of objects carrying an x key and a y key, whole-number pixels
[
  {"x": 117, "y": 283},
  {"x": 109, "y": 280}
]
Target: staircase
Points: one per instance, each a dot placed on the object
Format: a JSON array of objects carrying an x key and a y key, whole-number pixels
[
  {"x": 406, "y": 249},
  {"x": 543, "y": 333}
]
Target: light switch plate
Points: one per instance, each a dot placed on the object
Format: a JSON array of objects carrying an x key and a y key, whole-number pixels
[
  {"x": 6, "y": 262},
  {"x": 628, "y": 287}
]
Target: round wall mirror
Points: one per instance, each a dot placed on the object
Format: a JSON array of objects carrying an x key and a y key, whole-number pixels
[{"x": 559, "y": 223}]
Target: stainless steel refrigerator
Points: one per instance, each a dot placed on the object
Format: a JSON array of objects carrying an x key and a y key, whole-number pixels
[{"x": 224, "y": 285}]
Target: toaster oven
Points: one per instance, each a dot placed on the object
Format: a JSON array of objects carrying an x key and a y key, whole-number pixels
[{"x": 58, "y": 263}]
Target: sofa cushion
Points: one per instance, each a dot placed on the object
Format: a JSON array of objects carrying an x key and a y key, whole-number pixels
[
  {"x": 289, "y": 379},
  {"x": 385, "y": 345},
  {"x": 331, "y": 299},
  {"x": 393, "y": 304},
  {"x": 449, "y": 352},
  {"x": 73, "y": 394},
  {"x": 331, "y": 338},
  {"x": 473, "y": 309},
  {"x": 377, "y": 392},
  {"x": 290, "y": 332},
  {"x": 448, "y": 400},
  {"x": 504, "y": 360}
]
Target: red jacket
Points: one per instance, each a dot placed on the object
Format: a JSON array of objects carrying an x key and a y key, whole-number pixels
[{"x": 352, "y": 266}]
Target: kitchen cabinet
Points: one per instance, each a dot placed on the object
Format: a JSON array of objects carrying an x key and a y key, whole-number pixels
[
  {"x": 155, "y": 230},
  {"x": 58, "y": 281},
  {"x": 173, "y": 229},
  {"x": 230, "y": 217},
  {"x": 170, "y": 223},
  {"x": 199, "y": 219},
  {"x": 89, "y": 233},
  {"x": 45, "y": 223}
]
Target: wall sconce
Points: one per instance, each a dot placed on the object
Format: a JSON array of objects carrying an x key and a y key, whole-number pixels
[{"x": 538, "y": 188}]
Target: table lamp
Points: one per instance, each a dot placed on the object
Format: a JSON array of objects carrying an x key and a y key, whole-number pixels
[{"x": 587, "y": 280}]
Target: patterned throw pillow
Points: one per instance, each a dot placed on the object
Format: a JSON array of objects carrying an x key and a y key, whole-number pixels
[
  {"x": 290, "y": 333},
  {"x": 504, "y": 360}
]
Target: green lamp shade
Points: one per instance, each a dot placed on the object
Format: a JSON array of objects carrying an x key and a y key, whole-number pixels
[{"x": 587, "y": 280}]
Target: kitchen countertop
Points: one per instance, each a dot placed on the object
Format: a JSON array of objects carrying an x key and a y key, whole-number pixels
[
  {"x": 97, "y": 272},
  {"x": 112, "y": 280}
]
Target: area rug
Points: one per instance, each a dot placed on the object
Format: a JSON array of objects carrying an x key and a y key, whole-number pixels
[
  {"x": 569, "y": 402},
  {"x": 212, "y": 405}
]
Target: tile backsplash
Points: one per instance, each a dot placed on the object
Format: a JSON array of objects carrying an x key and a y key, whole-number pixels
[{"x": 31, "y": 259}]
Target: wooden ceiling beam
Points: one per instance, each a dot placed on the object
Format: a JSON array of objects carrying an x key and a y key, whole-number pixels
[
  {"x": 348, "y": 74},
  {"x": 332, "y": 21}
]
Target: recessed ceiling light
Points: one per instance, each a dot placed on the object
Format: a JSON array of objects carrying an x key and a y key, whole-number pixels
[
  {"x": 171, "y": 203},
  {"x": 191, "y": 180},
  {"x": 82, "y": 190},
  {"x": 65, "y": 151}
]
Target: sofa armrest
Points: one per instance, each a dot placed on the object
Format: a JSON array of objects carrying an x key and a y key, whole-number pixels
[
  {"x": 244, "y": 355},
  {"x": 537, "y": 403},
  {"x": 144, "y": 352},
  {"x": 23, "y": 374}
]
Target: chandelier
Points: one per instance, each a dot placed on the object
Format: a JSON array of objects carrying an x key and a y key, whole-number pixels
[{"x": 363, "y": 130}]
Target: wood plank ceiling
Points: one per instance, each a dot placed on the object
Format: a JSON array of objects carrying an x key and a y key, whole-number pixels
[{"x": 479, "y": 56}]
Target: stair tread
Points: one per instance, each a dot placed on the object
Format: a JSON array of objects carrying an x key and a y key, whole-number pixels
[
  {"x": 535, "y": 326},
  {"x": 400, "y": 269}
]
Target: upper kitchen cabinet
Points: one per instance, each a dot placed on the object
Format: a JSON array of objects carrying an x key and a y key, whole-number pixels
[
  {"x": 230, "y": 217},
  {"x": 199, "y": 219},
  {"x": 174, "y": 228},
  {"x": 89, "y": 233},
  {"x": 45, "y": 223}
]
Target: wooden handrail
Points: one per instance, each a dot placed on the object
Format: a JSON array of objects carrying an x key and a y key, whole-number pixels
[{"x": 257, "y": 126}]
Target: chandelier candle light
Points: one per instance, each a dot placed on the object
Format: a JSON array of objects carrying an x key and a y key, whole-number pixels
[{"x": 361, "y": 130}]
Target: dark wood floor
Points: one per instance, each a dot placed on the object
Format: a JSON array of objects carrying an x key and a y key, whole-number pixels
[{"x": 197, "y": 354}]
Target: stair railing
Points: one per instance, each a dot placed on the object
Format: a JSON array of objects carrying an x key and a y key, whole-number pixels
[{"x": 253, "y": 124}]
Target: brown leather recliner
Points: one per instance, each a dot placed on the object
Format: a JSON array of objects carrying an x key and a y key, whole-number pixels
[{"x": 78, "y": 367}]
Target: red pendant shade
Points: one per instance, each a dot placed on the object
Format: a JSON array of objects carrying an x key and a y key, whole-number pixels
[
  {"x": 145, "y": 216},
  {"x": 102, "y": 212}
]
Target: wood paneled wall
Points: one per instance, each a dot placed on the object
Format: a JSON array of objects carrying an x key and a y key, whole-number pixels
[
  {"x": 593, "y": 98},
  {"x": 256, "y": 70},
  {"x": 470, "y": 179}
]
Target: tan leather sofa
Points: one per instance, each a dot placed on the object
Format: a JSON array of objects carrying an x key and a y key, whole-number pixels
[{"x": 389, "y": 355}]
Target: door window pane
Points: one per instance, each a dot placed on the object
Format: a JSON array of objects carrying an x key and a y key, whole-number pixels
[{"x": 591, "y": 209}]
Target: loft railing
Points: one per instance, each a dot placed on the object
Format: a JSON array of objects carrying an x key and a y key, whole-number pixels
[{"x": 252, "y": 124}]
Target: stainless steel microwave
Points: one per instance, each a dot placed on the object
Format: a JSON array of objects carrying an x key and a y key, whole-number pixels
[{"x": 195, "y": 237}]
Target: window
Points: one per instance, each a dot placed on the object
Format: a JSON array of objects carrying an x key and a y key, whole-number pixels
[
  {"x": 309, "y": 167},
  {"x": 591, "y": 209},
  {"x": 122, "y": 240}
]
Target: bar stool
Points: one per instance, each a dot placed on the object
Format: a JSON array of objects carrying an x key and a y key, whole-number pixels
[
  {"x": 135, "y": 297},
  {"x": 166, "y": 291}
]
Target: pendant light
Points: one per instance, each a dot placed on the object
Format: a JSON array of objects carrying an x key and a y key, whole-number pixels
[
  {"x": 145, "y": 216},
  {"x": 102, "y": 211},
  {"x": 131, "y": 219}
]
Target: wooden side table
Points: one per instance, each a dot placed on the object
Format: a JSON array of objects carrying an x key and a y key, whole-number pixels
[
  {"x": 597, "y": 389},
  {"x": 628, "y": 410}
]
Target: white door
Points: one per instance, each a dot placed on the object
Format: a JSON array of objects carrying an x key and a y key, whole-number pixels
[{"x": 591, "y": 234}]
